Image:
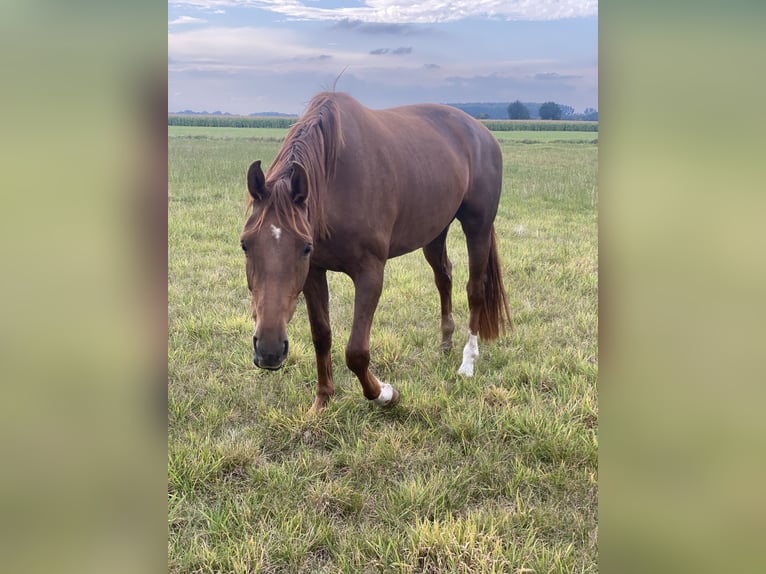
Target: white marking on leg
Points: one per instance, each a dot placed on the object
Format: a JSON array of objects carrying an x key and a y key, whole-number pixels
[
  {"x": 470, "y": 353},
  {"x": 276, "y": 232},
  {"x": 385, "y": 396}
]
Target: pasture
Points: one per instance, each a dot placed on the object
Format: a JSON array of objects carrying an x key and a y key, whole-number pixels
[{"x": 497, "y": 473}]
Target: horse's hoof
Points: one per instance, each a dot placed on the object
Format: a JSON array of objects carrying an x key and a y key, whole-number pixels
[
  {"x": 470, "y": 354},
  {"x": 388, "y": 396},
  {"x": 465, "y": 370},
  {"x": 394, "y": 400},
  {"x": 313, "y": 412},
  {"x": 317, "y": 407}
]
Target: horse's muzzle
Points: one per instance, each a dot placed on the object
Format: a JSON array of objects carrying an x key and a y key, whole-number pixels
[{"x": 269, "y": 355}]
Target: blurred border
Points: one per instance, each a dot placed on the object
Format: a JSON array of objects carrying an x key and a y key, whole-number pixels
[
  {"x": 682, "y": 281},
  {"x": 83, "y": 319},
  {"x": 83, "y": 324}
]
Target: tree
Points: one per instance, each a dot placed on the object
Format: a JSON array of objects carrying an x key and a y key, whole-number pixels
[
  {"x": 550, "y": 111},
  {"x": 518, "y": 111}
]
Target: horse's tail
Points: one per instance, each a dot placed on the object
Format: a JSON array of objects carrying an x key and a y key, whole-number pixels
[{"x": 494, "y": 314}]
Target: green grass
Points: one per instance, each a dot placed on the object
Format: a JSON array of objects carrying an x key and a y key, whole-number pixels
[
  {"x": 538, "y": 136},
  {"x": 492, "y": 474},
  {"x": 213, "y": 121},
  {"x": 541, "y": 125},
  {"x": 278, "y": 134},
  {"x": 227, "y": 132}
]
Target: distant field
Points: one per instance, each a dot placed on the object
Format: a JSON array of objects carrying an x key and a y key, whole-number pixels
[
  {"x": 279, "y": 133},
  {"x": 282, "y": 122},
  {"x": 547, "y": 136},
  {"x": 230, "y": 121},
  {"x": 494, "y": 474},
  {"x": 541, "y": 125}
]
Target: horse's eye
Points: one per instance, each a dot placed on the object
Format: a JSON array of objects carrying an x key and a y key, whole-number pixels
[
  {"x": 307, "y": 249},
  {"x": 243, "y": 245}
]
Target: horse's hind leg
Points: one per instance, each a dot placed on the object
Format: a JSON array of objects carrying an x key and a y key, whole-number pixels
[
  {"x": 478, "y": 252},
  {"x": 436, "y": 255},
  {"x": 486, "y": 294}
]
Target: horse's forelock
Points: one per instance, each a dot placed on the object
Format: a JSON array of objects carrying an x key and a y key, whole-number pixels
[{"x": 279, "y": 202}]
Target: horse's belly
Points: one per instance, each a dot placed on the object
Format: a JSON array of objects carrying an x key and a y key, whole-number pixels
[{"x": 417, "y": 227}]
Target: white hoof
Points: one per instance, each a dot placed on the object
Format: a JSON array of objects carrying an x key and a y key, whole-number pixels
[
  {"x": 470, "y": 354},
  {"x": 388, "y": 396},
  {"x": 466, "y": 370}
]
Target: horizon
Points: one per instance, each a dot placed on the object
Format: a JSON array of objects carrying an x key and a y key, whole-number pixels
[
  {"x": 279, "y": 113},
  {"x": 241, "y": 56}
]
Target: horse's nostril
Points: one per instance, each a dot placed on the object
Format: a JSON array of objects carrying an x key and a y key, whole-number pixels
[{"x": 269, "y": 354}]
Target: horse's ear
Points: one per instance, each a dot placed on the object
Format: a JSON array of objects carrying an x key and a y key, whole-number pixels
[
  {"x": 300, "y": 184},
  {"x": 256, "y": 181}
]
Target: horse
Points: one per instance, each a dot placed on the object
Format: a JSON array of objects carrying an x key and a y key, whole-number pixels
[{"x": 351, "y": 188}]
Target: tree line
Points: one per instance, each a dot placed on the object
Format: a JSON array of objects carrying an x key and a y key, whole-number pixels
[
  {"x": 550, "y": 111},
  {"x": 515, "y": 110}
]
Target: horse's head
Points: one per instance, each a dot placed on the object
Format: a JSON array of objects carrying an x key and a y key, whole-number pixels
[{"x": 277, "y": 243}]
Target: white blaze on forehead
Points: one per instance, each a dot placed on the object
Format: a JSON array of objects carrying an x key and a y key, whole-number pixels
[
  {"x": 276, "y": 232},
  {"x": 470, "y": 353}
]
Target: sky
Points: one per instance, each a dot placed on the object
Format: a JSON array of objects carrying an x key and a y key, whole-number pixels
[{"x": 249, "y": 56}]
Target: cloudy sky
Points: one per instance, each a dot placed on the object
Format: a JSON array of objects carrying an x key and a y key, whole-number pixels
[{"x": 246, "y": 56}]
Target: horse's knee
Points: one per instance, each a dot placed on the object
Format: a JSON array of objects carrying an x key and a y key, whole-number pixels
[{"x": 322, "y": 340}]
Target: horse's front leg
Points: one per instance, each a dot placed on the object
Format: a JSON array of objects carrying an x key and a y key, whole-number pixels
[
  {"x": 368, "y": 285},
  {"x": 318, "y": 305}
]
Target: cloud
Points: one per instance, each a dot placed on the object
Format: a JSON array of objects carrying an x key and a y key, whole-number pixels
[
  {"x": 555, "y": 76},
  {"x": 319, "y": 58},
  {"x": 270, "y": 63},
  {"x": 396, "y": 51},
  {"x": 181, "y": 20},
  {"x": 208, "y": 48},
  {"x": 414, "y": 11},
  {"x": 212, "y": 4},
  {"x": 250, "y": 49},
  {"x": 377, "y": 27}
]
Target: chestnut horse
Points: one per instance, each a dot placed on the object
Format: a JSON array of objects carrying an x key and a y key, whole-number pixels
[{"x": 351, "y": 188}]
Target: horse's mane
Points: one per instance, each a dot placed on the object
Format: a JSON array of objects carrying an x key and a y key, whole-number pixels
[{"x": 313, "y": 142}]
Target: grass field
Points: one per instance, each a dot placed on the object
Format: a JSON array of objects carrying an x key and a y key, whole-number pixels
[
  {"x": 497, "y": 473},
  {"x": 220, "y": 121},
  {"x": 277, "y": 134}
]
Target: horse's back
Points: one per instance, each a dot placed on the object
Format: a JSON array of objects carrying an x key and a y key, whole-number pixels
[
  {"x": 406, "y": 171},
  {"x": 432, "y": 137}
]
